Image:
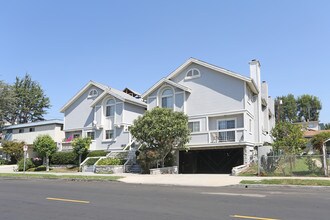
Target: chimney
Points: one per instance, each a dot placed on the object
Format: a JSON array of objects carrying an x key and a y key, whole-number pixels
[{"x": 255, "y": 72}]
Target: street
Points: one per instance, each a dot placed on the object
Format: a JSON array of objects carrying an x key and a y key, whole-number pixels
[{"x": 74, "y": 200}]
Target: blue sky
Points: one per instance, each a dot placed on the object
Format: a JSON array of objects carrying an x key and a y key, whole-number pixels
[{"x": 64, "y": 44}]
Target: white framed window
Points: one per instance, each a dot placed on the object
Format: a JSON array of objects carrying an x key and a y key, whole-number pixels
[
  {"x": 167, "y": 98},
  {"x": 93, "y": 93},
  {"x": 108, "y": 134},
  {"x": 194, "y": 126},
  {"x": 110, "y": 108},
  {"x": 91, "y": 135},
  {"x": 226, "y": 136},
  {"x": 126, "y": 128},
  {"x": 193, "y": 73},
  {"x": 32, "y": 130}
]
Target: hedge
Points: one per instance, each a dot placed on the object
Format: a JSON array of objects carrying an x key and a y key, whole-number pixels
[
  {"x": 97, "y": 153},
  {"x": 111, "y": 161},
  {"x": 64, "y": 158}
]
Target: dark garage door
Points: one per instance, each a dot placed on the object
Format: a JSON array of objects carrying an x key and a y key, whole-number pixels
[{"x": 210, "y": 161}]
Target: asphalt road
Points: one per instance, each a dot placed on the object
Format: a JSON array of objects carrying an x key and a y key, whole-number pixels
[{"x": 67, "y": 200}]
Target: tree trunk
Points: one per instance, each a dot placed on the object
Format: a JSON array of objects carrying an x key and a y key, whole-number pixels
[
  {"x": 47, "y": 163},
  {"x": 79, "y": 162}
]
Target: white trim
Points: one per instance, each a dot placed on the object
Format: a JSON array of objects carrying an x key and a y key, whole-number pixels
[
  {"x": 93, "y": 95},
  {"x": 159, "y": 84},
  {"x": 222, "y": 114},
  {"x": 105, "y": 135},
  {"x": 160, "y": 96},
  {"x": 81, "y": 91},
  {"x": 250, "y": 82},
  {"x": 193, "y": 76},
  {"x": 105, "y": 101},
  {"x": 227, "y": 119},
  {"x": 200, "y": 125}
]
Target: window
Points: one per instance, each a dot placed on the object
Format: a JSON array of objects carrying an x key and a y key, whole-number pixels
[
  {"x": 21, "y": 130},
  {"x": 76, "y": 135},
  {"x": 194, "y": 126},
  {"x": 93, "y": 93},
  {"x": 91, "y": 135},
  {"x": 108, "y": 134},
  {"x": 32, "y": 129},
  {"x": 226, "y": 135},
  {"x": 193, "y": 73},
  {"x": 110, "y": 108},
  {"x": 167, "y": 98}
]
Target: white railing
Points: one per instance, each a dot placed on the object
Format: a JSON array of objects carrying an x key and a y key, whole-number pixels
[{"x": 226, "y": 135}]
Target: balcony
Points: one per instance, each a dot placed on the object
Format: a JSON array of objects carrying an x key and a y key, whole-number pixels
[
  {"x": 234, "y": 135},
  {"x": 226, "y": 135}
]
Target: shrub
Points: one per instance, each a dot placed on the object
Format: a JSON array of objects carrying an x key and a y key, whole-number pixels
[
  {"x": 28, "y": 165},
  {"x": 91, "y": 161},
  {"x": 3, "y": 162},
  {"x": 111, "y": 161},
  {"x": 64, "y": 158},
  {"x": 97, "y": 153},
  {"x": 37, "y": 161},
  {"x": 40, "y": 168}
]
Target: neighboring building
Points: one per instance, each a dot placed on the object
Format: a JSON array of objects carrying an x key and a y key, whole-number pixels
[
  {"x": 310, "y": 125},
  {"x": 102, "y": 113},
  {"x": 229, "y": 114},
  {"x": 29, "y": 131}
]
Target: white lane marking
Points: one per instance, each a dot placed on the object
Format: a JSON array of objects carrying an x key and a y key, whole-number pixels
[{"x": 234, "y": 194}]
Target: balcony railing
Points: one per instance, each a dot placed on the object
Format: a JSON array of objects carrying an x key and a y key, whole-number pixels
[{"x": 227, "y": 135}]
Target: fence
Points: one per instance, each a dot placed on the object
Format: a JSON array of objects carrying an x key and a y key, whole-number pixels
[{"x": 293, "y": 165}]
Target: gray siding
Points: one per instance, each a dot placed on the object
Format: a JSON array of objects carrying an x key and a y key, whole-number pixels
[
  {"x": 132, "y": 112},
  {"x": 213, "y": 92},
  {"x": 119, "y": 113},
  {"x": 80, "y": 114},
  {"x": 179, "y": 101},
  {"x": 121, "y": 139},
  {"x": 152, "y": 102},
  {"x": 213, "y": 124}
]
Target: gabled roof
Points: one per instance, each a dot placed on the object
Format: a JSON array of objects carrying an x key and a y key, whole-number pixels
[
  {"x": 34, "y": 124},
  {"x": 119, "y": 95},
  {"x": 161, "y": 82},
  {"x": 83, "y": 90},
  {"x": 249, "y": 81}
]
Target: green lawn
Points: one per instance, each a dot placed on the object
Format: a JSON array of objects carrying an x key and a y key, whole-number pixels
[
  {"x": 52, "y": 176},
  {"x": 301, "y": 182},
  {"x": 299, "y": 168}
]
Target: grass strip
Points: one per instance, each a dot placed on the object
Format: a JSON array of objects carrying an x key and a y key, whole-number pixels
[
  {"x": 64, "y": 177},
  {"x": 299, "y": 182}
]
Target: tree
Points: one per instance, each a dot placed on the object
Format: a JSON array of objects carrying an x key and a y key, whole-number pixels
[
  {"x": 318, "y": 140},
  {"x": 309, "y": 107},
  {"x": 326, "y": 126},
  {"x": 161, "y": 130},
  {"x": 13, "y": 149},
  {"x": 7, "y": 101},
  {"x": 31, "y": 102},
  {"x": 81, "y": 146},
  {"x": 287, "y": 111},
  {"x": 288, "y": 137},
  {"x": 45, "y": 146}
]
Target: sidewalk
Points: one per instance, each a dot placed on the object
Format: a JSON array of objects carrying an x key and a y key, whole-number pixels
[{"x": 202, "y": 180}]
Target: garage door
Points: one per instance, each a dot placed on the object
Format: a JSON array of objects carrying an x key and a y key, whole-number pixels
[{"x": 210, "y": 161}]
